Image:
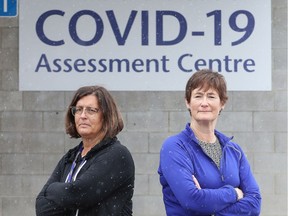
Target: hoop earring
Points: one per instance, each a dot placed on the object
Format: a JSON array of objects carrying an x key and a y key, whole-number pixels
[{"x": 220, "y": 111}]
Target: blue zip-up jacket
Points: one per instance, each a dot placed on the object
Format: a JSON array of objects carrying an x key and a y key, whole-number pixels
[{"x": 181, "y": 157}]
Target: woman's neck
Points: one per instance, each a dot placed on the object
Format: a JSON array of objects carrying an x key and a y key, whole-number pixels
[
  {"x": 89, "y": 143},
  {"x": 204, "y": 132}
]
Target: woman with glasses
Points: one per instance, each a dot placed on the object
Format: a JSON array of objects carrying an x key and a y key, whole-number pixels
[
  {"x": 202, "y": 171},
  {"x": 97, "y": 176}
]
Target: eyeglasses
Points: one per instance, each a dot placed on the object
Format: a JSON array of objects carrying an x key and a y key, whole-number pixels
[{"x": 78, "y": 110}]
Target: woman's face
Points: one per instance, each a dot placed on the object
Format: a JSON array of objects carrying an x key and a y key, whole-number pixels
[
  {"x": 89, "y": 124},
  {"x": 204, "y": 105}
]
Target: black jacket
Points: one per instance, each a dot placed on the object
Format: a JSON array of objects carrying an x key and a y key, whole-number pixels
[{"x": 103, "y": 187}]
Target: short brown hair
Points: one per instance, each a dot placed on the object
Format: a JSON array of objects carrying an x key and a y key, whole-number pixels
[
  {"x": 112, "y": 118},
  {"x": 206, "y": 79}
]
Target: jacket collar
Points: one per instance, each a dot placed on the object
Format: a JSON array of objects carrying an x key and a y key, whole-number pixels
[
  {"x": 223, "y": 139},
  {"x": 103, "y": 144}
]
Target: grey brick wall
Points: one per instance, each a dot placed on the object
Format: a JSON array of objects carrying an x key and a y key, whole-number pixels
[{"x": 32, "y": 137}]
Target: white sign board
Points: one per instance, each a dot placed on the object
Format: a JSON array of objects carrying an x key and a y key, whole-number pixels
[{"x": 152, "y": 45}]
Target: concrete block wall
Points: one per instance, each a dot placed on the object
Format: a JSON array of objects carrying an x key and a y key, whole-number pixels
[{"x": 32, "y": 137}]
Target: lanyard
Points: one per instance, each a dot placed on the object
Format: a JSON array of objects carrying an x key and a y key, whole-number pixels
[{"x": 71, "y": 175}]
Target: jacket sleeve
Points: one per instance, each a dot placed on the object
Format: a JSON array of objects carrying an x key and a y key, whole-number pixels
[
  {"x": 177, "y": 168},
  {"x": 44, "y": 206},
  {"x": 250, "y": 204},
  {"x": 107, "y": 172}
]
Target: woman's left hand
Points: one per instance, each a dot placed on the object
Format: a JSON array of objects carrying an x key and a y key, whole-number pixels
[{"x": 196, "y": 182}]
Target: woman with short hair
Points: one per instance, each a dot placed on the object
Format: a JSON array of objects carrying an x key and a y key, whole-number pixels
[{"x": 202, "y": 172}]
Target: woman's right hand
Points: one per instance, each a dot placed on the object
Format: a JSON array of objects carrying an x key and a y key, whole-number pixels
[{"x": 240, "y": 194}]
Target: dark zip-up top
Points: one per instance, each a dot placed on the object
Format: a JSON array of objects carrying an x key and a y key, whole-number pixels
[{"x": 103, "y": 187}]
